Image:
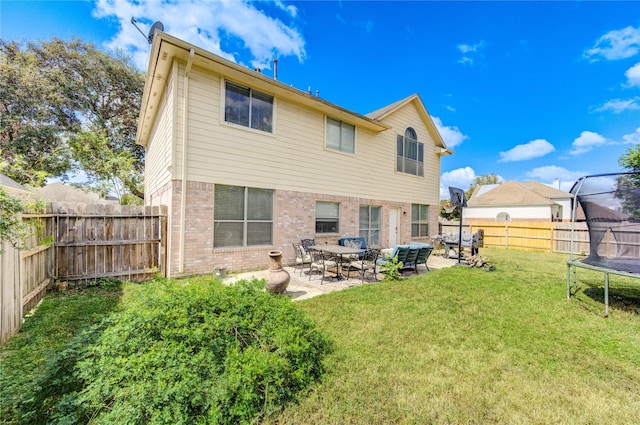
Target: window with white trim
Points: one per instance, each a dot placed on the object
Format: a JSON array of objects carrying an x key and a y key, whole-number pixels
[
  {"x": 410, "y": 153},
  {"x": 370, "y": 223},
  {"x": 341, "y": 136},
  {"x": 242, "y": 216},
  {"x": 327, "y": 217},
  {"x": 247, "y": 107},
  {"x": 419, "y": 220}
]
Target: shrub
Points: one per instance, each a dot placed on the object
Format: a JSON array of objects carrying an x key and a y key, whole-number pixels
[
  {"x": 391, "y": 269},
  {"x": 197, "y": 353}
]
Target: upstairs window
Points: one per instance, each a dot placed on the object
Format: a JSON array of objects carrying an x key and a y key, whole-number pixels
[
  {"x": 410, "y": 154},
  {"x": 341, "y": 136},
  {"x": 247, "y": 107}
]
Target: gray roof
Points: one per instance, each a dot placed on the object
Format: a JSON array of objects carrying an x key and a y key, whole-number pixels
[
  {"x": 7, "y": 182},
  {"x": 512, "y": 193}
]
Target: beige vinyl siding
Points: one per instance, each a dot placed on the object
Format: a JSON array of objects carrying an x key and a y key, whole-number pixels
[
  {"x": 294, "y": 156},
  {"x": 426, "y": 189},
  {"x": 158, "y": 156}
]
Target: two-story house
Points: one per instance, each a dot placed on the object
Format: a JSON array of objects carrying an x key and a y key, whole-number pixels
[{"x": 247, "y": 164}]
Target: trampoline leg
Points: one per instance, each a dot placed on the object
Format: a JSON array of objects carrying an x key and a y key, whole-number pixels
[
  {"x": 606, "y": 294},
  {"x": 568, "y": 281}
]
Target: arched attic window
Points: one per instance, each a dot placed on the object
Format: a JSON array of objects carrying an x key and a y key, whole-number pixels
[
  {"x": 503, "y": 217},
  {"x": 410, "y": 153},
  {"x": 410, "y": 133}
]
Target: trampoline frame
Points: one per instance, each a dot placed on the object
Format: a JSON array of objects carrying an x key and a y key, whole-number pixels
[{"x": 575, "y": 263}]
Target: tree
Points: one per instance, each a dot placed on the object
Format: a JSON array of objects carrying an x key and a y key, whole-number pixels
[
  {"x": 31, "y": 122},
  {"x": 448, "y": 211},
  {"x": 630, "y": 160},
  {"x": 55, "y": 92},
  {"x": 482, "y": 180},
  {"x": 628, "y": 185},
  {"x": 107, "y": 170}
]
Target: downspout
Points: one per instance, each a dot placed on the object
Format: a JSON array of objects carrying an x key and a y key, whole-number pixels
[{"x": 183, "y": 197}]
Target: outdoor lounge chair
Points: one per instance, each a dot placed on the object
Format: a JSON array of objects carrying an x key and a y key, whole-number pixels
[
  {"x": 400, "y": 253},
  {"x": 423, "y": 255},
  {"x": 410, "y": 255},
  {"x": 411, "y": 259}
]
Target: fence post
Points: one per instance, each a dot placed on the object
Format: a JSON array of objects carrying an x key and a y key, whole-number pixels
[{"x": 506, "y": 236}]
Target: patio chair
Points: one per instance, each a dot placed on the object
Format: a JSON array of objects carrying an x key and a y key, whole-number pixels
[
  {"x": 322, "y": 262},
  {"x": 368, "y": 262},
  {"x": 400, "y": 252},
  {"x": 423, "y": 255},
  {"x": 307, "y": 243},
  {"x": 353, "y": 243},
  {"x": 410, "y": 262},
  {"x": 302, "y": 257}
]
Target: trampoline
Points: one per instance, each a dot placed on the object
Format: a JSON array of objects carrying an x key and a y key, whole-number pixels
[{"x": 610, "y": 206}]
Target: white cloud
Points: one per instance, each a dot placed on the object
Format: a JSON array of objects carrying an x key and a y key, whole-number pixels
[
  {"x": 533, "y": 149},
  {"x": 553, "y": 176},
  {"x": 617, "y": 44},
  {"x": 470, "y": 51},
  {"x": 632, "y": 139},
  {"x": 451, "y": 135},
  {"x": 586, "y": 142},
  {"x": 211, "y": 25},
  {"x": 633, "y": 75},
  {"x": 460, "y": 178},
  {"x": 620, "y": 105}
]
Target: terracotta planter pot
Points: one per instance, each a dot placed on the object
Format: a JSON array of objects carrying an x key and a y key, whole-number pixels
[{"x": 278, "y": 278}]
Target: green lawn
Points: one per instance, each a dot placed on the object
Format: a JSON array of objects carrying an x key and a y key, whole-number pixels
[
  {"x": 466, "y": 346},
  {"x": 456, "y": 345}
]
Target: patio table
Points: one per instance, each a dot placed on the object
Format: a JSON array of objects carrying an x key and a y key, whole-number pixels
[{"x": 338, "y": 250}]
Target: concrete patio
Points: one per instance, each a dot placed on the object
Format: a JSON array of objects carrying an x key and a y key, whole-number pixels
[{"x": 300, "y": 287}]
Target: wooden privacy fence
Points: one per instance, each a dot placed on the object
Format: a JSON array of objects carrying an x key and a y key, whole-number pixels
[
  {"x": 527, "y": 235},
  {"x": 25, "y": 275},
  {"x": 76, "y": 243},
  {"x": 97, "y": 241}
]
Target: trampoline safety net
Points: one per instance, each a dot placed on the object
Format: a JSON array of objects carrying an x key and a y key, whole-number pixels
[{"x": 610, "y": 205}]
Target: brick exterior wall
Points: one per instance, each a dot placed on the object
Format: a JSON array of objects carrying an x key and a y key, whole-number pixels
[{"x": 294, "y": 219}]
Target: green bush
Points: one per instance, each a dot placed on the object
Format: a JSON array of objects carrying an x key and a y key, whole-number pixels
[
  {"x": 196, "y": 353},
  {"x": 392, "y": 269}
]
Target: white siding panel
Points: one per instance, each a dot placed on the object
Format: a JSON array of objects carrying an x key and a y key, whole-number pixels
[
  {"x": 430, "y": 184},
  {"x": 158, "y": 152},
  {"x": 516, "y": 213}
]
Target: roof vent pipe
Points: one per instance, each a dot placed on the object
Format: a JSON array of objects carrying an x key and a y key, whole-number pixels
[
  {"x": 317, "y": 93},
  {"x": 275, "y": 68}
]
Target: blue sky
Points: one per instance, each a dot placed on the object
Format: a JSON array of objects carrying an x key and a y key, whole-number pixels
[{"x": 526, "y": 90}]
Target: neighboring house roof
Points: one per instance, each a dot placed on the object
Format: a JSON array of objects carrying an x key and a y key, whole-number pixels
[
  {"x": 512, "y": 193},
  {"x": 166, "y": 49},
  {"x": 548, "y": 191},
  {"x": 60, "y": 192},
  {"x": 11, "y": 184}
]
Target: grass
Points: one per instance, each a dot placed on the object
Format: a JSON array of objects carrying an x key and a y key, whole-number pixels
[
  {"x": 455, "y": 345},
  {"x": 56, "y": 321},
  {"x": 467, "y": 346}
]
